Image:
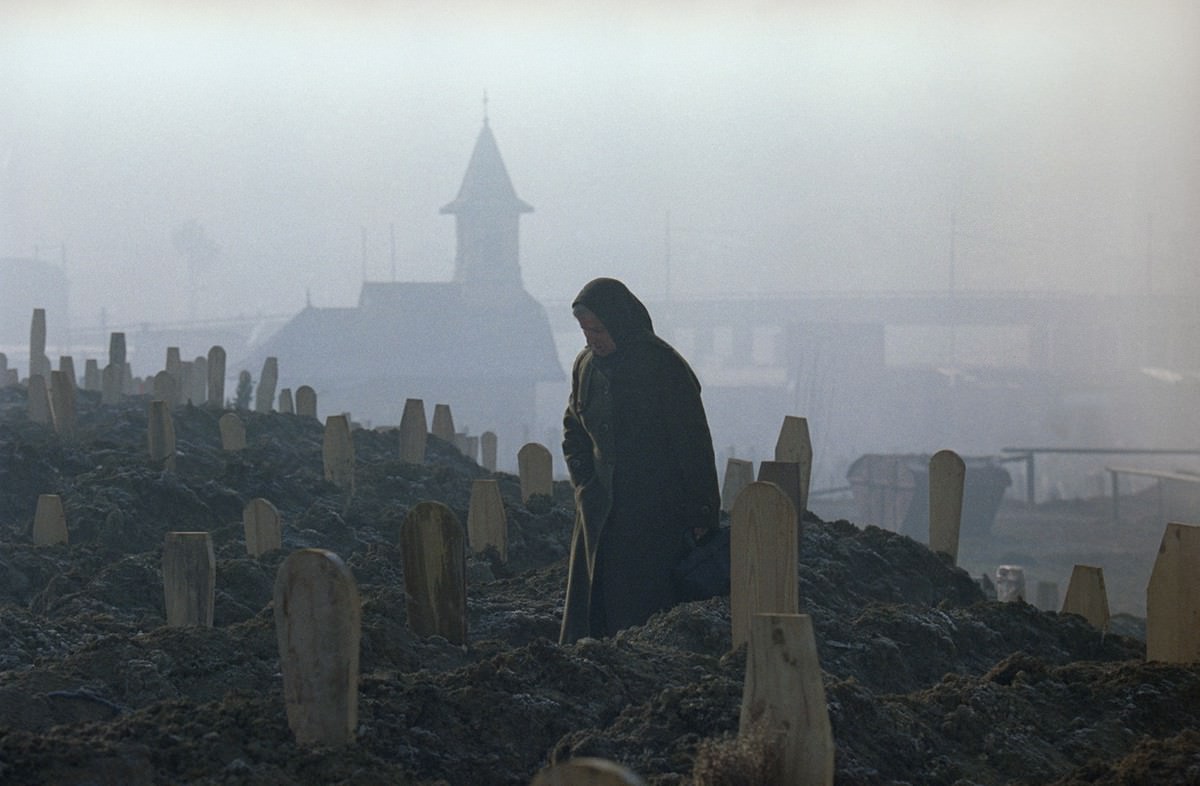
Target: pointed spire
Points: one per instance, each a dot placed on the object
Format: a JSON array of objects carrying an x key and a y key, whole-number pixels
[{"x": 486, "y": 180}]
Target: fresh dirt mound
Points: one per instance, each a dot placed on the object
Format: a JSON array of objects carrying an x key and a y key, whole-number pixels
[{"x": 927, "y": 680}]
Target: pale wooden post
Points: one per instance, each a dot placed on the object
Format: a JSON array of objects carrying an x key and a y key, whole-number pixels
[
  {"x": 62, "y": 404},
  {"x": 783, "y": 697},
  {"x": 216, "y": 376},
  {"x": 338, "y": 452},
  {"x": 161, "y": 436},
  {"x": 285, "y": 402},
  {"x": 189, "y": 579},
  {"x": 1173, "y": 597},
  {"x": 535, "y": 467},
  {"x": 264, "y": 395},
  {"x": 487, "y": 449},
  {"x": 233, "y": 432},
  {"x": 260, "y": 520},
  {"x": 166, "y": 388},
  {"x": 91, "y": 375},
  {"x": 487, "y": 524},
  {"x": 318, "y": 625},
  {"x": 443, "y": 423},
  {"x": 413, "y": 432},
  {"x": 306, "y": 401},
  {"x": 786, "y": 475},
  {"x": 587, "y": 771},
  {"x": 49, "y": 521},
  {"x": 39, "y": 364},
  {"x": 764, "y": 540},
  {"x": 66, "y": 364},
  {"x": 947, "y": 475},
  {"x": 794, "y": 444},
  {"x": 1047, "y": 595},
  {"x": 38, "y": 406},
  {"x": 1086, "y": 596},
  {"x": 739, "y": 473},
  {"x": 435, "y": 572}
]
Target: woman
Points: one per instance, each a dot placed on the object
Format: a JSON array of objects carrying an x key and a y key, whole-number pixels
[{"x": 640, "y": 456}]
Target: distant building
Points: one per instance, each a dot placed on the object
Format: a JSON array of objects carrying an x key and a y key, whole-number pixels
[{"x": 479, "y": 343}]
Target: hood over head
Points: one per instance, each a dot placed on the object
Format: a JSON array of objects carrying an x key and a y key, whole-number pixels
[{"x": 622, "y": 313}]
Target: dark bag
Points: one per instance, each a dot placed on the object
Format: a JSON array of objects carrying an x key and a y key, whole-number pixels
[{"x": 704, "y": 572}]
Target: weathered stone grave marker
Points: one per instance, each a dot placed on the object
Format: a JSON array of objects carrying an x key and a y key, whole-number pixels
[
  {"x": 264, "y": 396},
  {"x": 306, "y": 401},
  {"x": 786, "y": 475},
  {"x": 488, "y": 451},
  {"x": 947, "y": 475},
  {"x": 1173, "y": 597},
  {"x": 216, "y": 376},
  {"x": 587, "y": 771},
  {"x": 260, "y": 520},
  {"x": 535, "y": 467},
  {"x": 783, "y": 696},
  {"x": 794, "y": 444},
  {"x": 435, "y": 572},
  {"x": 49, "y": 521},
  {"x": 338, "y": 452},
  {"x": 739, "y": 473},
  {"x": 1086, "y": 596},
  {"x": 38, "y": 405},
  {"x": 189, "y": 579},
  {"x": 285, "y": 402},
  {"x": 161, "y": 436},
  {"x": 487, "y": 524},
  {"x": 318, "y": 625},
  {"x": 233, "y": 432},
  {"x": 62, "y": 404},
  {"x": 413, "y": 431},
  {"x": 443, "y": 423},
  {"x": 764, "y": 539}
]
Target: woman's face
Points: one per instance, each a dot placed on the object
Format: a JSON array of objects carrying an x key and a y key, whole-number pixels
[{"x": 598, "y": 339}]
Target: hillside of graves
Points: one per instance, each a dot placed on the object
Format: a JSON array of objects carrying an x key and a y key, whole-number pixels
[{"x": 927, "y": 679}]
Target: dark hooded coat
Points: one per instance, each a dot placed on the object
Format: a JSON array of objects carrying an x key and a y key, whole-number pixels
[{"x": 640, "y": 456}]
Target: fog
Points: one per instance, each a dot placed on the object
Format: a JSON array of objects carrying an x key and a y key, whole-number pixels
[{"x": 188, "y": 164}]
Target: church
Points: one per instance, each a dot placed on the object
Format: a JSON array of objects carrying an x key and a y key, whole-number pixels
[{"x": 479, "y": 343}]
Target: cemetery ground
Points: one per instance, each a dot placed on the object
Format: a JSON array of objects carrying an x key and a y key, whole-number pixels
[{"x": 927, "y": 681}]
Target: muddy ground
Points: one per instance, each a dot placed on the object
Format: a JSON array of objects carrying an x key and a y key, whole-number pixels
[{"x": 928, "y": 681}]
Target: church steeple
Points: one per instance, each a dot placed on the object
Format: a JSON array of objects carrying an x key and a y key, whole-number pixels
[{"x": 487, "y": 214}]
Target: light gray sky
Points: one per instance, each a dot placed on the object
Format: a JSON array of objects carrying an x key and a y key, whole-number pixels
[{"x": 816, "y": 146}]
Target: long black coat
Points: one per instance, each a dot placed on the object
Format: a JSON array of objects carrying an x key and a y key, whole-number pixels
[{"x": 639, "y": 451}]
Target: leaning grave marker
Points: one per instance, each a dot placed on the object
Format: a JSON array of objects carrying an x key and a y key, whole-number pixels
[
  {"x": 318, "y": 627},
  {"x": 1173, "y": 597},
  {"x": 160, "y": 436},
  {"x": 763, "y": 543},
  {"x": 264, "y": 396},
  {"x": 435, "y": 572},
  {"x": 739, "y": 473},
  {"x": 947, "y": 475},
  {"x": 62, "y": 404}
]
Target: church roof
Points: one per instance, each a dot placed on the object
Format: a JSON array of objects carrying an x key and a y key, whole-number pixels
[{"x": 486, "y": 180}]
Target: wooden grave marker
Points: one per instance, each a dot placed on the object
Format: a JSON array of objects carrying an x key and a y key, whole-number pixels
[
  {"x": 166, "y": 388},
  {"x": 338, "y": 452},
  {"x": 66, "y": 364},
  {"x": 111, "y": 384},
  {"x": 233, "y": 432},
  {"x": 62, "y": 404},
  {"x": 783, "y": 695},
  {"x": 318, "y": 626},
  {"x": 786, "y": 475},
  {"x": 487, "y": 524},
  {"x": 435, "y": 572},
  {"x": 39, "y": 364},
  {"x": 216, "y": 376},
  {"x": 587, "y": 771},
  {"x": 794, "y": 444},
  {"x": 49, "y": 521},
  {"x": 160, "y": 433},
  {"x": 764, "y": 540},
  {"x": 488, "y": 450},
  {"x": 947, "y": 475},
  {"x": 116, "y": 351},
  {"x": 198, "y": 381},
  {"x": 739, "y": 473},
  {"x": 306, "y": 401},
  {"x": 189, "y": 579},
  {"x": 91, "y": 375},
  {"x": 1173, "y": 597},
  {"x": 443, "y": 423},
  {"x": 413, "y": 432},
  {"x": 260, "y": 521},
  {"x": 38, "y": 406},
  {"x": 1086, "y": 596},
  {"x": 535, "y": 467},
  {"x": 285, "y": 402},
  {"x": 264, "y": 395}
]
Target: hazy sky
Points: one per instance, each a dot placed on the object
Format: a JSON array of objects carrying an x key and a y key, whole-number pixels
[{"x": 813, "y": 146}]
